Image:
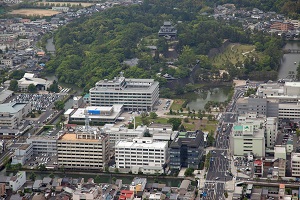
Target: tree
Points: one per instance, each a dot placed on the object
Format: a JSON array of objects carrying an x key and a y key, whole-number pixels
[
  {"x": 31, "y": 88},
  {"x": 51, "y": 175},
  {"x": 32, "y": 176},
  {"x": 13, "y": 85},
  {"x": 210, "y": 138},
  {"x": 153, "y": 115},
  {"x": 130, "y": 126},
  {"x": 42, "y": 167},
  {"x": 175, "y": 123},
  {"x": 210, "y": 117},
  {"x": 97, "y": 179},
  {"x": 54, "y": 87},
  {"x": 189, "y": 172},
  {"x": 59, "y": 105}
]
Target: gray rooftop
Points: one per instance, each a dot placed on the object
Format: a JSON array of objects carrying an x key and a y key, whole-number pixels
[{"x": 12, "y": 107}]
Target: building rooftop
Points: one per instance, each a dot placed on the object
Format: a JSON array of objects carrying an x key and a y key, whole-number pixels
[
  {"x": 72, "y": 137},
  {"x": 133, "y": 144},
  {"x": 12, "y": 107},
  {"x": 4, "y": 94},
  {"x": 97, "y": 112},
  {"x": 24, "y": 146},
  {"x": 191, "y": 139}
]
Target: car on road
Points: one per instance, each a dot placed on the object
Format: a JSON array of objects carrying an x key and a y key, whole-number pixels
[{"x": 217, "y": 178}]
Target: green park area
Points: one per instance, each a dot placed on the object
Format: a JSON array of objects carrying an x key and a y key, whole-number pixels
[{"x": 234, "y": 53}]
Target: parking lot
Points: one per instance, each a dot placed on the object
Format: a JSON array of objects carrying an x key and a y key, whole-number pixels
[
  {"x": 38, "y": 101},
  {"x": 49, "y": 160},
  {"x": 243, "y": 165}
]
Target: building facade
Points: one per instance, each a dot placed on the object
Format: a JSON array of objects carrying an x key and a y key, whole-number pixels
[
  {"x": 22, "y": 154},
  {"x": 83, "y": 149},
  {"x": 43, "y": 144},
  {"x": 295, "y": 164},
  {"x": 134, "y": 94},
  {"x": 186, "y": 150},
  {"x": 12, "y": 113},
  {"x": 244, "y": 139},
  {"x": 142, "y": 155}
]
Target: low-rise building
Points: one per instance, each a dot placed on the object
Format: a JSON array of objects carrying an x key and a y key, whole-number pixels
[
  {"x": 17, "y": 181},
  {"x": 258, "y": 168},
  {"x": 86, "y": 148},
  {"x": 28, "y": 79},
  {"x": 22, "y": 154},
  {"x": 138, "y": 184},
  {"x": 142, "y": 155},
  {"x": 97, "y": 114},
  {"x": 280, "y": 152},
  {"x": 87, "y": 191}
]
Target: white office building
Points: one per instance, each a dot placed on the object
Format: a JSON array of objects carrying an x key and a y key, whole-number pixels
[
  {"x": 295, "y": 164},
  {"x": 134, "y": 94},
  {"x": 122, "y": 133},
  {"x": 142, "y": 154}
]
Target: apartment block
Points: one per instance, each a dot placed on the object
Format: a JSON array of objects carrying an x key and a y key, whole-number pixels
[
  {"x": 134, "y": 94},
  {"x": 142, "y": 155},
  {"x": 186, "y": 150},
  {"x": 86, "y": 148},
  {"x": 295, "y": 164}
]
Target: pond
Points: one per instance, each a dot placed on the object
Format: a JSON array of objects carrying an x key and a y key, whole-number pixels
[
  {"x": 289, "y": 62},
  {"x": 201, "y": 97}
]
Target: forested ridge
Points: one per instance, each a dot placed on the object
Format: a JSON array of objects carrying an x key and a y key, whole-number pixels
[{"x": 94, "y": 48}]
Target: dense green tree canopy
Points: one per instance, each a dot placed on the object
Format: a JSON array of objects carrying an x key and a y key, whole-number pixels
[{"x": 94, "y": 48}]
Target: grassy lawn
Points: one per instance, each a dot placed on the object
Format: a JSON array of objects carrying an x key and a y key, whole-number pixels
[
  {"x": 159, "y": 120},
  {"x": 189, "y": 126},
  {"x": 234, "y": 53},
  {"x": 177, "y": 104}
]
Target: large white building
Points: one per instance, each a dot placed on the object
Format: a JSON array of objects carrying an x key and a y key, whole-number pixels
[
  {"x": 12, "y": 113},
  {"x": 295, "y": 164},
  {"x": 134, "y": 94},
  {"x": 248, "y": 135},
  {"x": 122, "y": 133},
  {"x": 97, "y": 114},
  {"x": 28, "y": 78},
  {"x": 86, "y": 148},
  {"x": 142, "y": 155}
]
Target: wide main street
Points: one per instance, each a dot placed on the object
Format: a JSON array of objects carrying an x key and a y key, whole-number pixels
[{"x": 219, "y": 171}]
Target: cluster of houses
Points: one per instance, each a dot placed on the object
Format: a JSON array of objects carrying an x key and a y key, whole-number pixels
[
  {"x": 19, "y": 187},
  {"x": 259, "y": 20}
]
